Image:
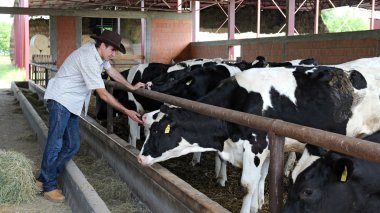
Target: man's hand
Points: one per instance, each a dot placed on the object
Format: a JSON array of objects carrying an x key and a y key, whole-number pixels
[
  {"x": 134, "y": 116},
  {"x": 138, "y": 86}
]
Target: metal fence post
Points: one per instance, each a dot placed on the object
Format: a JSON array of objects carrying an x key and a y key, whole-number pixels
[
  {"x": 276, "y": 171},
  {"x": 46, "y": 76},
  {"x": 110, "y": 113}
]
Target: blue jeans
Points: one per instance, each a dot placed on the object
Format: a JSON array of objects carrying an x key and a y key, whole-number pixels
[{"x": 62, "y": 144}]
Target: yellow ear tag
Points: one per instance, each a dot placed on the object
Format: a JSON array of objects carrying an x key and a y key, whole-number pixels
[
  {"x": 167, "y": 129},
  {"x": 189, "y": 82},
  {"x": 109, "y": 78},
  {"x": 343, "y": 178}
]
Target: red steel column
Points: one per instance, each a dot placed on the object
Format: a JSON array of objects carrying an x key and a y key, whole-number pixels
[
  {"x": 290, "y": 8},
  {"x": 258, "y": 18},
  {"x": 231, "y": 27},
  {"x": 316, "y": 16},
  {"x": 21, "y": 30},
  {"x": 372, "y": 24},
  {"x": 195, "y": 14},
  {"x": 143, "y": 33},
  {"x": 179, "y": 6}
]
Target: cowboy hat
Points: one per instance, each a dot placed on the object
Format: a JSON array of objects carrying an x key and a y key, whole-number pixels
[{"x": 112, "y": 38}]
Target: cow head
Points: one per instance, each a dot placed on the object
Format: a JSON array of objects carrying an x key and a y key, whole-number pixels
[
  {"x": 164, "y": 136},
  {"x": 325, "y": 186},
  {"x": 178, "y": 132},
  {"x": 165, "y": 82}
]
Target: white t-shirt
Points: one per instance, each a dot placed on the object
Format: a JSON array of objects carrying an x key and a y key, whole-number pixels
[{"x": 79, "y": 74}]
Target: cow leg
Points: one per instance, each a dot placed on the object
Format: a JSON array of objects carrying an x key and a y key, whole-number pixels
[
  {"x": 220, "y": 170},
  {"x": 251, "y": 178},
  {"x": 196, "y": 158},
  {"x": 134, "y": 132},
  {"x": 264, "y": 173}
]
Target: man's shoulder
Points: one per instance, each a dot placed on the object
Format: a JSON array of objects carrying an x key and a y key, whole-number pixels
[
  {"x": 87, "y": 52},
  {"x": 88, "y": 47}
]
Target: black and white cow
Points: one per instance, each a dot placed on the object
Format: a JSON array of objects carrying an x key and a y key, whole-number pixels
[
  {"x": 319, "y": 97},
  {"x": 155, "y": 73},
  {"x": 139, "y": 73},
  {"x": 120, "y": 95},
  {"x": 368, "y": 67},
  {"x": 200, "y": 81},
  {"x": 337, "y": 183},
  {"x": 365, "y": 119}
]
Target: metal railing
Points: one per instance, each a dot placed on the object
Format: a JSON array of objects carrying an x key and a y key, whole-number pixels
[
  {"x": 277, "y": 131},
  {"x": 41, "y": 73}
]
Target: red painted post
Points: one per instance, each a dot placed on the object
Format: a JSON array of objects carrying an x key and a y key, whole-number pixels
[
  {"x": 316, "y": 17},
  {"x": 195, "y": 14},
  {"x": 258, "y": 18},
  {"x": 290, "y": 13}
]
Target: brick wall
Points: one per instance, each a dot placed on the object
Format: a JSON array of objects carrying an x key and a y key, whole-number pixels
[
  {"x": 330, "y": 48},
  {"x": 169, "y": 38},
  {"x": 211, "y": 51},
  {"x": 66, "y": 40},
  {"x": 272, "y": 50}
]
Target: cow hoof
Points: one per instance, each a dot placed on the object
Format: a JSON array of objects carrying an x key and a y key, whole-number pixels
[
  {"x": 193, "y": 163},
  {"x": 221, "y": 182}
]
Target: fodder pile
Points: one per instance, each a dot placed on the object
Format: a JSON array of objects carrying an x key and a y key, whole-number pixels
[
  {"x": 110, "y": 187},
  {"x": 16, "y": 178}
]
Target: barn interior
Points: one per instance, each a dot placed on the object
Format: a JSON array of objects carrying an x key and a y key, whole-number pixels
[{"x": 169, "y": 30}]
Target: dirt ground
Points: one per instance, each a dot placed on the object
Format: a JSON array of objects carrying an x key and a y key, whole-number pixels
[{"x": 16, "y": 135}]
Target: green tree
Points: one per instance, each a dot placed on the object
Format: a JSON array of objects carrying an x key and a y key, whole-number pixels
[
  {"x": 345, "y": 19},
  {"x": 5, "y": 34}
]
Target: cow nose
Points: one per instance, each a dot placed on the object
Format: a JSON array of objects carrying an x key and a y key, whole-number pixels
[{"x": 144, "y": 119}]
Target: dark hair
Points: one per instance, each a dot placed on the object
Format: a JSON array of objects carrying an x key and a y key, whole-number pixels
[{"x": 98, "y": 43}]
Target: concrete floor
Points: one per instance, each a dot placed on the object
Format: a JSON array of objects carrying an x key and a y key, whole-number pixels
[{"x": 16, "y": 135}]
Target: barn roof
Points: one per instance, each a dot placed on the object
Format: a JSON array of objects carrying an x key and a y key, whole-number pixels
[{"x": 172, "y": 5}]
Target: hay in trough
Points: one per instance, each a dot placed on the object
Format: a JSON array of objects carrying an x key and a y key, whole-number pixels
[{"x": 16, "y": 178}]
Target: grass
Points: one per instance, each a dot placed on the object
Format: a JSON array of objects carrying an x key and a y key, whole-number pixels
[{"x": 9, "y": 73}]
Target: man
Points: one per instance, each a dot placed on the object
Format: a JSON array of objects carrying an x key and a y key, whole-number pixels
[{"x": 66, "y": 94}]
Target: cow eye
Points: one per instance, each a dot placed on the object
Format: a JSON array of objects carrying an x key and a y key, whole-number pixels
[{"x": 307, "y": 192}]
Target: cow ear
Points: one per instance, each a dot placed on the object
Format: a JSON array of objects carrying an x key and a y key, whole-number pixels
[
  {"x": 357, "y": 79},
  {"x": 343, "y": 168},
  {"x": 305, "y": 75},
  {"x": 323, "y": 75},
  {"x": 164, "y": 108}
]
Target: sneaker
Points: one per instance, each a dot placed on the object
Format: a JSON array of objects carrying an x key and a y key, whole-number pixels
[{"x": 54, "y": 196}]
